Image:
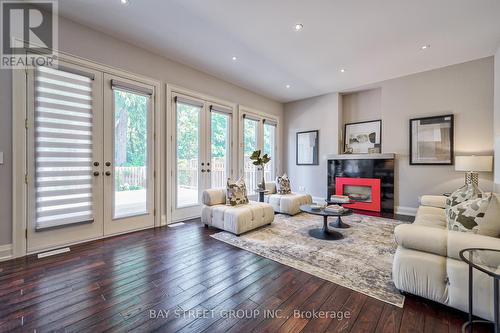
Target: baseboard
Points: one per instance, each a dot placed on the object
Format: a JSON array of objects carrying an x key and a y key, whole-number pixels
[
  {"x": 5, "y": 252},
  {"x": 410, "y": 211}
]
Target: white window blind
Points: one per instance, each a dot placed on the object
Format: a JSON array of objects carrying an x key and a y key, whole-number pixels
[{"x": 63, "y": 148}]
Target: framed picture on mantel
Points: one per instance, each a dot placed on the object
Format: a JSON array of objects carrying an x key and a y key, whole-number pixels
[
  {"x": 431, "y": 140},
  {"x": 363, "y": 137}
]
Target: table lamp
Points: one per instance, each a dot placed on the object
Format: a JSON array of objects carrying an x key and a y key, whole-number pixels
[{"x": 472, "y": 165}]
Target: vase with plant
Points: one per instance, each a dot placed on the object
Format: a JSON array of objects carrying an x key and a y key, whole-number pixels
[{"x": 260, "y": 162}]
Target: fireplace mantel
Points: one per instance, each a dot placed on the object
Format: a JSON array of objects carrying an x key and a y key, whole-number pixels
[{"x": 385, "y": 156}]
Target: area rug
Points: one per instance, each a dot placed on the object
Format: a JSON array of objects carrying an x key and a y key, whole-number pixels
[{"x": 361, "y": 261}]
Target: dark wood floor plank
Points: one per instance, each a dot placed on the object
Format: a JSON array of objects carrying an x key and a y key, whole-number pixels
[{"x": 113, "y": 284}]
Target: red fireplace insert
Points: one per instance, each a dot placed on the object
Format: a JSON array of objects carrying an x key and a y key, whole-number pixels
[{"x": 364, "y": 191}]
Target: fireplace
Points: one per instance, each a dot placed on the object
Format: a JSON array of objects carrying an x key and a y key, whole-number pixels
[
  {"x": 367, "y": 178},
  {"x": 365, "y": 192}
]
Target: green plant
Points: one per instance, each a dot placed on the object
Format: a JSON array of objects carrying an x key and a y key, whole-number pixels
[{"x": 260, "y": 161}]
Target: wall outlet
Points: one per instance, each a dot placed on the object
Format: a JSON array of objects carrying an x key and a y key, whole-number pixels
[{"x": 302, "y": 188}]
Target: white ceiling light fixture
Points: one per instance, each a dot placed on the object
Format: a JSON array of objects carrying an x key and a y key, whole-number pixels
[
  {"x": 299, "y": 26},
  {"x": 288, "y": 86},
  {"x": 234, "y": 58},
  {"x": 124, "y": 2},
  {"x": 342, "y": 70},
  {"x": 425, "y": 47}
]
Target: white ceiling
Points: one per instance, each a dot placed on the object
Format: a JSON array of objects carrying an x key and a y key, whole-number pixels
[{"x": 372, "y": 40}]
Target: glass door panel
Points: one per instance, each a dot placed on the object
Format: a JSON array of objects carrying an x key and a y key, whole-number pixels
[
  {"x": 188, "y": 126},
  {"x": 220, "y": 149},
  {"x": 269, "y": 147},
  {"x": 131, "y": 148},
  {"x": 250, "y": 144},
  {"x": 128, "y": 155}
]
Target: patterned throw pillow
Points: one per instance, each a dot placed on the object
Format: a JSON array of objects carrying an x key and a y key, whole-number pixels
[
  {"x": 283, "y": 185},
  {"x": 236, "y": 192},
  {"x": 466, "y": 192},
  {"x": 468, "y": 215}
]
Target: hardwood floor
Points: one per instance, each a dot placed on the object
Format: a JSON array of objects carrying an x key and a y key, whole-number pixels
[{"x": 117, "y": 283}]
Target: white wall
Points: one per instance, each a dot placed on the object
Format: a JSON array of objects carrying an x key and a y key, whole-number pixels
[
  {"x": 497, "y": 120},
  {"x": 317, "y": 113},
  {"x": 93, "y": 45},
  {"x": 465, "y": 90},
  {"x": 362, "y": 106}
]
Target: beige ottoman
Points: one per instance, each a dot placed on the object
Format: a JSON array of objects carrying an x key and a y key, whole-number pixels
[
  {"x": 286, "y": 203},
  {"x": 235, "y": 219}
]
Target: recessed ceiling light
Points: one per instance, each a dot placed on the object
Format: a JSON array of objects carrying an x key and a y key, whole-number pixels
[
  {"x": 425, "y": 47},
  {"x": 299, "y": 26},
  {"x": 124, "y": 2},
  {"x": 342, "y": 70},
  {"x": 234, "y": 58},
  {"x": 287, "y": 86}
]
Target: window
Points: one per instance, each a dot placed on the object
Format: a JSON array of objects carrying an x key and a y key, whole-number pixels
[
  {"x": 250, "y": 144},
  {"x": 259, "y": 132},
  {"x": 269, "y": 147},
  {"x": 220, "y": 148}
]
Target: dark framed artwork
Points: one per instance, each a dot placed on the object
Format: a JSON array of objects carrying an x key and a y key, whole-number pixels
[
  {"x": 431, "y": 140},
  {"x": 363, "y": 137},
  {"x": 307, "y": 148}
]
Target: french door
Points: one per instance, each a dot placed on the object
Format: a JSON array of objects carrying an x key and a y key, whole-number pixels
[
  {"x": 90, "y": 156},
  {"x": 203, "y": 152}
]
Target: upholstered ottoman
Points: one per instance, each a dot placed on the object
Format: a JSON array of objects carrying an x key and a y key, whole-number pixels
[
  {"x": 236, "y": 219},
  {"x": 286, "y": 203}
]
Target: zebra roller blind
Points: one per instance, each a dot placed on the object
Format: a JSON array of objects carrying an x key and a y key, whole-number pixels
[{"x": 63, "y": 148}]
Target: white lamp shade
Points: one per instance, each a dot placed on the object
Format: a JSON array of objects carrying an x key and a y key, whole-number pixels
[{"x": 474, "y": 163}]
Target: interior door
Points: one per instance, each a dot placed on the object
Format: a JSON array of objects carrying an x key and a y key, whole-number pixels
[
  {"x": 64, "y": 128},
  {"x": 128, "y": 168}
]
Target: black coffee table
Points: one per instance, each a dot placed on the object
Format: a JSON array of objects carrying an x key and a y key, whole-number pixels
[
  {"x": 325, "y": 233},
  {"x": 338, "y": 223}
]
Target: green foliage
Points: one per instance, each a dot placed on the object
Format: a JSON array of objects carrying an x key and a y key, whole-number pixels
[
  {"x": 187, "y": 132},
  {"x": 131, "y": 119},
  {"x": 258, "y": 160}
]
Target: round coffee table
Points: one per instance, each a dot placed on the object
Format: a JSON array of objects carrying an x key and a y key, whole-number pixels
[
  {"x": 325, "y": 233},
  {"x": 338, "y": 223},
  {"x": 488, "y": 262}
]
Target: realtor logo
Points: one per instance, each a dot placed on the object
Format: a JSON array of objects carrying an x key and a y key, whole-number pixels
[{"x": 29, "y": 33}]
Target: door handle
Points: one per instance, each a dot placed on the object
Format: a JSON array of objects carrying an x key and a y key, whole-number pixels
[
  {"x": 208, "y": 170},
  {"x": 96, "y": 163},
  {"x": 202, "y": 170},
  {"x": 96, "y": 173},
  {"x": 108, "y": 163},
  {"x": 108, "y": 173}
]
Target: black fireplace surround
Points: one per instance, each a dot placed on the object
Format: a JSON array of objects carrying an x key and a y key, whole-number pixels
[{"x": 378, "y": 166}]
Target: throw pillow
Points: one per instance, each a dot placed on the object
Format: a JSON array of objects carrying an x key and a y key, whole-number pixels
[
  {"x": 461, "y": 195},
  {"x": 490, "y": 224},
  {"x": 283, "y": 185},
  {"x": 468, "y": 216},
  {"x": 236, "y": 192}
]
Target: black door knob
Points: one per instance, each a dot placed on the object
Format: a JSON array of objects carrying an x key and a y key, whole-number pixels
[
  {"x": 96, "y": 163},
  {"x": 96, "y": 173},
  {"x": 108, "y": 163},
  {"x": 108, "y": 173}
]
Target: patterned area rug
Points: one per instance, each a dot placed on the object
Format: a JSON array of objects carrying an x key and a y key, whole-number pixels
[{"x": 362, "y": 261}]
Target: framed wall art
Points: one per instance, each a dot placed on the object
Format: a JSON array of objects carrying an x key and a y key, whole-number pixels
[
  {"x": 307, "y": 148},
  {"x": 431, "y": 140},
  {"x": 363, "y": 137}
]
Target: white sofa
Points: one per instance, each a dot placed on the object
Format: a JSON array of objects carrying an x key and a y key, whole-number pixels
[
  {"x": 236, "y": 219},
  {"x": 427, "y": 261},
  {"x": 285, "y": 203}
]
